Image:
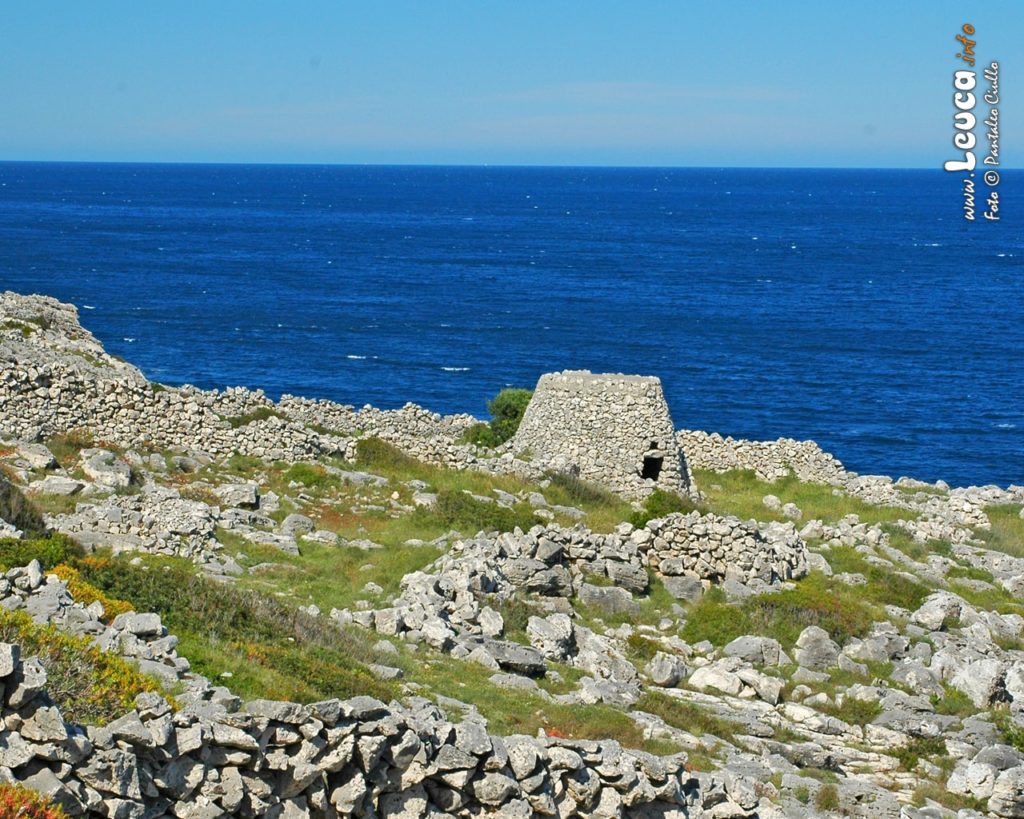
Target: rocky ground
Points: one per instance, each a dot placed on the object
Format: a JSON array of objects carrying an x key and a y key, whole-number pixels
[{"x": 797, "y": 640}]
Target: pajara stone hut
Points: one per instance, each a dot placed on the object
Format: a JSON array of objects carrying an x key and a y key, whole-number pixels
[{"x": 610, "y": 429}]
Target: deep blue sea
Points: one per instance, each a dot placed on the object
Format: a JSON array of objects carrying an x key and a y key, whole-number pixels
[{"x": 854, "y": 307}]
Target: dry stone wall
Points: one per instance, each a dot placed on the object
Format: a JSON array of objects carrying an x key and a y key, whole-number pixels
[{"x": 212, "y": 756}]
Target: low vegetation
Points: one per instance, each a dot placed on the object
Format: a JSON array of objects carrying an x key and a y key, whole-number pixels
[
  {"x": 17, "y": 802},
  {"x": 49, "y": 551},
  {"x": 90, "y": 686},
  {"x": 741, "y": 493},
  {"x": 815, "y": 600},
  {"x": 17, "y": 510},
  {"x": 258, "y": 414}
]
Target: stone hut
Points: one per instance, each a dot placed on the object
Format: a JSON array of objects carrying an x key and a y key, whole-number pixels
[{"x": 610, "y": 429}]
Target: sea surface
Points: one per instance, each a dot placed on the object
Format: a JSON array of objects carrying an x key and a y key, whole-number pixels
[{"x": 854, "y": 307}]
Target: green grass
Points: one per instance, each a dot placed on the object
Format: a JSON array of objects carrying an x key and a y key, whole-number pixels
[
  {"x": 853, "y": 711},
  {"x": 461, "y": 511},
  {"x": 839, "y": 609},
  {"x": 603, "y": 510},
  {"x": 17, "y": 510},
  {"x": 1007, "y": 532},
  {"x": 970, "y": 573},
  {"x": 741, "y": 493},
  {"x": 258, "y": 414},
  {"x": 920, "y": 748},
  {"x": 329, "y": 576},
  {"x": 953, "y": 702},
  {"x": 884, "y": 586},
  {"x": 901, "y": 539},
  {"x": 311, "y": 476},
  {"x": 512, "y": 711},
  {"x": 688, "y": 716},
  {"x": 659, "y": 504},
  {"x": 273, "y": 649}
]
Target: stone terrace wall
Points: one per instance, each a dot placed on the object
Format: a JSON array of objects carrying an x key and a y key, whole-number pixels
[
  {"x": 604, "y": 427},
  {"x": 355, "y": 757}
]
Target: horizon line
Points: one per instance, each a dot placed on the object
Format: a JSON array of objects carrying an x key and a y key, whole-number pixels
[{"x": 496, "y": 165}]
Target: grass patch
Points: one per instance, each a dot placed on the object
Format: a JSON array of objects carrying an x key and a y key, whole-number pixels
[
  {"x": 920, "y": 748},
  {"x": 885, "y": 586},
  {"x": 687, "y": 716},
  {"x": 659, "y": 504},
  {"x": 17, "y": 510},
  {"x": 311, "y": 476},
  {"x": 604, "y": 511},
  {"x": 815, "y": 601},
  {"x": 258, "y": 414},
  {"x": 827, "y": 798},
  {"x": 460, "y": 510},
  {"x": 1007, "y": 532},
  {"x": 853, "y": 711},
  {"x": 741, "y": 493},
  {"x": 329, "y": 576},
  {"x": 970, "y": 573},
  {"x": 272, "y": 650},
  {"x": 67, "y": 446},
  {"x": 511, "y": 711},
  {"x": 901, "y": 539},
  {"x": 578, "y": 491},
  {"x": 953, "y": 702},
  {"x": 90, "y": 686},
  {"x": 937, "y": 792}
]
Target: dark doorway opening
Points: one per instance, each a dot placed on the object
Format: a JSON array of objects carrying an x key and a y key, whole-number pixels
[{"x": 652, "y": 467}]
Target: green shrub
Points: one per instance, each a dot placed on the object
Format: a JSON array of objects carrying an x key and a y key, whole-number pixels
[
  {"x": 827, "y": 798},
  {"x": 18, "y": 802},
  {"x": 89, "y": 685},
  {"x": 506, "y": 409},
  {"x": 481, "y": 434},
  {"x": 659, "y": 504},
  {"x": 49, "y": 551}
]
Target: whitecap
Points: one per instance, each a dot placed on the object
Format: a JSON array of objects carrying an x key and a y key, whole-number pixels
[
  {"x": 88, "y": 307},
  {"x": 129, "y": 340},
  {"x": 356, "y": 357},
  {"x": 456, "y": 369},
  {"x": 1006, "y": 426}
]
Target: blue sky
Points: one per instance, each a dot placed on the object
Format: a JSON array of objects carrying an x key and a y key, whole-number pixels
[{"x": 524, "y": 82}]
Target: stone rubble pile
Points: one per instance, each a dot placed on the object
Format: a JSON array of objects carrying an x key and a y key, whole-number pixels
[{"x": 714, "y": 548}]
